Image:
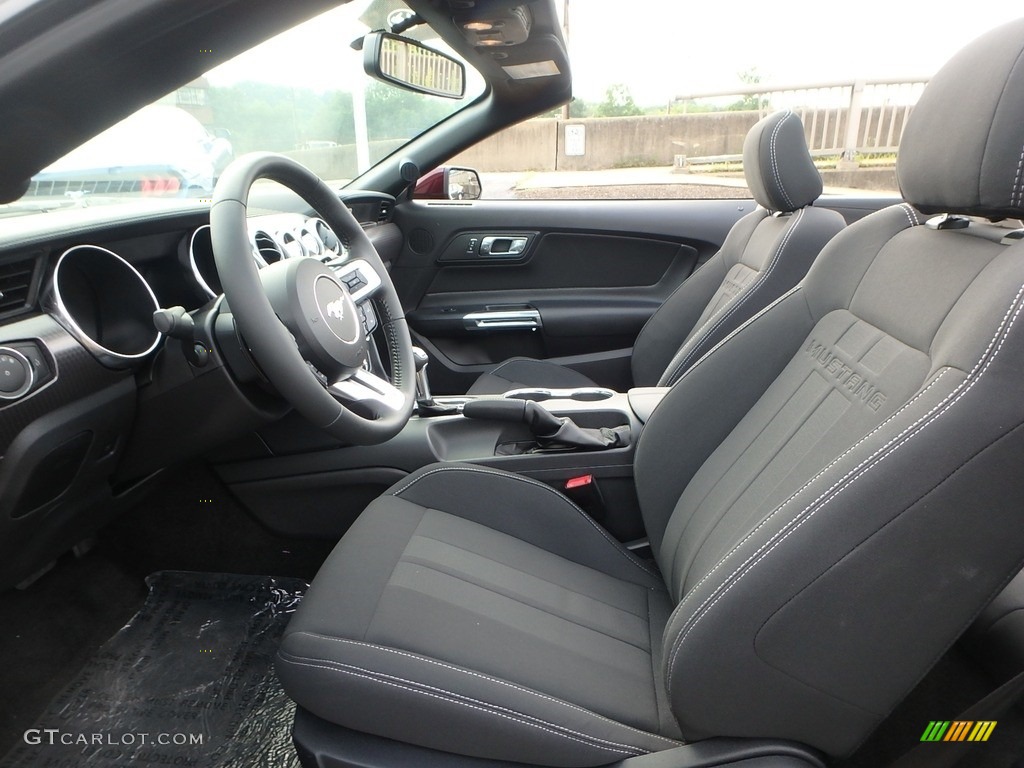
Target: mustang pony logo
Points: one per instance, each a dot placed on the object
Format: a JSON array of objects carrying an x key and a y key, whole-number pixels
[{"x": 336, "y": 309}]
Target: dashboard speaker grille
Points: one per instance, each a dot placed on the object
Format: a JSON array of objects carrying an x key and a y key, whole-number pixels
[{"x": 421, "y": 241}]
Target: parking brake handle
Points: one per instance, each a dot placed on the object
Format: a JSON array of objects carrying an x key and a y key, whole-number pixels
[{"x": 549, "y": 430}]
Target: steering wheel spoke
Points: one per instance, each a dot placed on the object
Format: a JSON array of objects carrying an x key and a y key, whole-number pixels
[{"x": 369, "y": 392}]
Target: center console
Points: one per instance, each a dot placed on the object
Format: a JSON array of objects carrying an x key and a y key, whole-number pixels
[{"x": 300, "y": 482}]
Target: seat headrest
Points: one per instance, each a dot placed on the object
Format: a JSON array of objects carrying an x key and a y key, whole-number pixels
[
  {"x": 779, "y": 169},
  {"x": 963, "y": 148}
]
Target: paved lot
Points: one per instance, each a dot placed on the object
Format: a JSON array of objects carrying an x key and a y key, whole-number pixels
[
  {"x": 620, "y": 184},
  {"x": 617, "y": 183}
]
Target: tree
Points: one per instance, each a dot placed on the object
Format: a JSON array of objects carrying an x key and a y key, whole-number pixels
[
  {"x": 394, "y": 113},
  {"x": 577, "y": 108},
  {"x": 264, "y": 117},
  {"x": 276, "y": 118},
  {"x": 618, "y": 102},
  {"x": 755, "y": 102}
]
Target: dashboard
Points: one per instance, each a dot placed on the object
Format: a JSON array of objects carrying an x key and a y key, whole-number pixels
[{"x": 94, "y": 400}]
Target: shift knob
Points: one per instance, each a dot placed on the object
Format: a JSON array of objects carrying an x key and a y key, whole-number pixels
[
  {"x": 419, "y": 358},
  {"x": 423, "y": 397}
]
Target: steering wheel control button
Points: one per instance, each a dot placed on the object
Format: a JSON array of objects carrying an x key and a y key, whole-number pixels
[
  {"x": 368, "y": 316},
  {"x": 354, "y": 281},
  {"x": 360, "y": 278},
  {"x": 15, "y": 374}
]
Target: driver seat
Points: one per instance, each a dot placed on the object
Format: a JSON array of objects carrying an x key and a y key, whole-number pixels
[{"x": 831, "y": 495}]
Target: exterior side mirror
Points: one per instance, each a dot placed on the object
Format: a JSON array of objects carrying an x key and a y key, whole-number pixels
[{"x": 448, "y": 183}]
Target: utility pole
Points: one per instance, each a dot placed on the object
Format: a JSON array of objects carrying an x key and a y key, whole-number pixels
[{"x": 565, "y": 34}]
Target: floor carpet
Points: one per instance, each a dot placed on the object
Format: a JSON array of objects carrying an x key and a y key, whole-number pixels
[{"x": 188, "y": 681}]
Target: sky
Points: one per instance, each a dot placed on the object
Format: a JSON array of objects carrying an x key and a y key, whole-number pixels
[
  {"x": 666, "y": 48},
  {"x": 680, "y": 47}
]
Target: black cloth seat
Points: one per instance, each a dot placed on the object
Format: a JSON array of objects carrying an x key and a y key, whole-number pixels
[
  {"x": 511, "y": 598},
  {"x": 766, "y": 253},
  {"x": 831, "y": 495}
]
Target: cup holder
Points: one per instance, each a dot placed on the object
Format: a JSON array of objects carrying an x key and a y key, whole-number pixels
[
  {"x": 581, "y": 394},
  {"x": 591, "y": 394}
]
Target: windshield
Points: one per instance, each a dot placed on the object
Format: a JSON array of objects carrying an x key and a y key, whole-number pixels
[{"x": 302, "y": 93}]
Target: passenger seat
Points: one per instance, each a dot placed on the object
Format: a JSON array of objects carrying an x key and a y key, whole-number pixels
[{"x": 765, "y": 254}]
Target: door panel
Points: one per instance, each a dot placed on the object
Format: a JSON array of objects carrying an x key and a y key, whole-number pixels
[
  {"x": 591, "y": 272},
  {"x": 572, "y": 281},
  {"x": 600, "y": 289}
]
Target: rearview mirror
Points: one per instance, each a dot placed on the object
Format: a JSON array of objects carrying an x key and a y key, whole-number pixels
[{"x": 411, "y": 65}]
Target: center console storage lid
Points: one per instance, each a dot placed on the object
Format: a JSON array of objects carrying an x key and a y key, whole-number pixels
[{"x": 643, "y": 400}]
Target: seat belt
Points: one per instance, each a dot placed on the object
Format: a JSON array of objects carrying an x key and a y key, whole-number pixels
[{"x": 948, "y": 753}]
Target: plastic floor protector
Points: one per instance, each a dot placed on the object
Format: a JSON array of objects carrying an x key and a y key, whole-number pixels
[{"x": 189, "y": 681}]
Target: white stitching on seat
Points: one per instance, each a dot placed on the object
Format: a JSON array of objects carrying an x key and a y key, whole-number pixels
[
  {"x": 774, "y": 158},
  {"x": 804, "y": 487},
  {"x": 911, "y": 214},
  {"x": 747, "y": 322},
  {"x": 488, "y": 678},
  {"x": 739, "y": 328},
  {"x": 731, "y": 307},
  {"x": 529, "y": 481},
  {"x": 1017, "y": 192},
  {"x": 840, "y": 485},
  {"x": 454, "y": 698}
]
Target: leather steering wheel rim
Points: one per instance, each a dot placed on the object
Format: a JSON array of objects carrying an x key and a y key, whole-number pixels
[{"x": 273, "y": 344}]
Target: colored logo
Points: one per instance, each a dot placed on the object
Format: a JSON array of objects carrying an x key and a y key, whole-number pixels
[{"x": 958, "y": 730}]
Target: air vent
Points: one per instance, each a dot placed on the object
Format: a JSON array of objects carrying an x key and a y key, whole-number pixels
[
  {"x": 291, "y": 246},
  {"x": 16, "y": 281},
  {"x": 268, "y": 248},
  {"x": 384, "y": 215}
]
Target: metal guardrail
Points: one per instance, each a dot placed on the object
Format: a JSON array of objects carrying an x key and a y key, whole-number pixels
[{"x": 840, "y": 118}]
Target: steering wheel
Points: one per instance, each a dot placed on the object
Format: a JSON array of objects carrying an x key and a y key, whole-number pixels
[{"x": 298, "y": 318}]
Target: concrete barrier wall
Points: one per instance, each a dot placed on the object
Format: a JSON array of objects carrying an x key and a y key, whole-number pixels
[
  {"x": 611, "y": 142},
  {"x": 529, "y": 146},
  {"x": 626, "y": 142},
  {"x": 655, "y": 140}
]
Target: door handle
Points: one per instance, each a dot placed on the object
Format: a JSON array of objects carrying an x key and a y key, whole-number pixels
[
  {"x": 498, "y": 246},
  {"x": 515, "y": 319}
]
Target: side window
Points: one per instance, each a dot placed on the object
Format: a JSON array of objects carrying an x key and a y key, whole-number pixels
[
  {"x": 692, "y": 148},
  {"x": 667, "y": 92}
]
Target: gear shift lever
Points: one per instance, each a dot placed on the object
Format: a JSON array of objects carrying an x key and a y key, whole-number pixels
[
  {"x": 425, "y": 403},
  {"x": 423, "y": 397}
]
